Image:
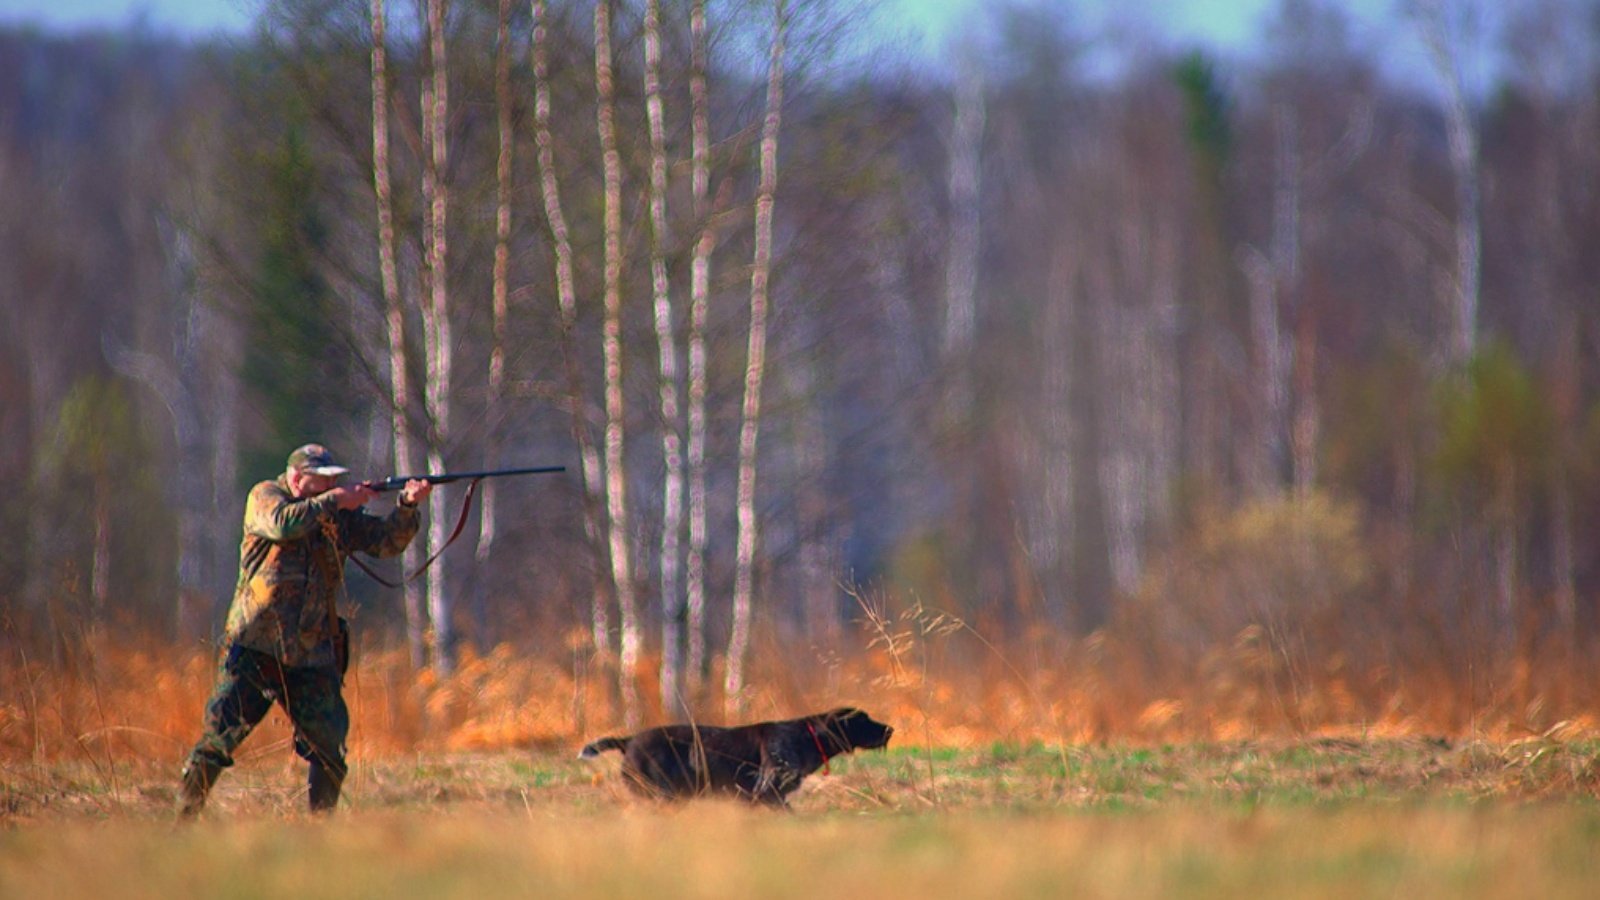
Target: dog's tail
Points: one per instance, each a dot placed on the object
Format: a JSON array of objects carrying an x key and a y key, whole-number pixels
[{"x": 596, "y": 748}]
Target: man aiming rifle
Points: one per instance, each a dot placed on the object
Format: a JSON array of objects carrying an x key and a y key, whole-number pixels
[{"x": 284, "y": 641}]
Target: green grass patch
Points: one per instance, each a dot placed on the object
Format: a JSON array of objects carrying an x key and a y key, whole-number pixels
[{"x": 1307, "y": 819}]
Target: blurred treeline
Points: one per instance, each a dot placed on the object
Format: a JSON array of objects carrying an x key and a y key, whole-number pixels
[{"x": 1068, "y": 336}]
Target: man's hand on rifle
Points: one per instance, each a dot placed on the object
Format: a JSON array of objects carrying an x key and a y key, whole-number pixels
[
  {"x": 415, "y": 491},
  {"x": 358, "y": 495},
  {"x": 353, "y": 497}
]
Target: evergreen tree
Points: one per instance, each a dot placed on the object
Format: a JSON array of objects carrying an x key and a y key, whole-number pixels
[{"x": 296, "y": 363}]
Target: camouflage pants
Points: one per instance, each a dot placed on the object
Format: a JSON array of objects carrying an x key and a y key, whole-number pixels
[{"x": 248, "y": 683}]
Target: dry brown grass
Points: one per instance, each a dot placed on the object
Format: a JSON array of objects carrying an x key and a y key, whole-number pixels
[
  {"x": 719, "y": 851},
  {"x": 1312, "y": 818},
  {"x": 988, "y": 814},
  {"x": 939, "y": 680},
  {"x": 907, "y": 779},
  {"x": 1024, "y": 765}
]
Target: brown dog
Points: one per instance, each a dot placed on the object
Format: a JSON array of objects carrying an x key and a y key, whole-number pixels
[{"x": 761, "y": 763}]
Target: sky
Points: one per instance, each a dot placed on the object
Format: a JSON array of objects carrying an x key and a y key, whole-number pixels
[
  {"x": 1227, "y": 24},
  {"x": 1227, "y": 27},
  {"x": 196, "y": 17}
]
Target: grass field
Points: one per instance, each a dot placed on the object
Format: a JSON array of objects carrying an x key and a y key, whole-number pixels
[
  {"x": 1313, "y": 818},
  {"x": 1015, "y": 772}
]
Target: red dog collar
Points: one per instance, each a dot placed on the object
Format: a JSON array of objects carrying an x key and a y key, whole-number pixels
[{"x": 826, "y": 769}]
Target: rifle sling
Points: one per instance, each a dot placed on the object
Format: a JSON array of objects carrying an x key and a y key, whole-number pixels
[{"x": 466, "y": 509}]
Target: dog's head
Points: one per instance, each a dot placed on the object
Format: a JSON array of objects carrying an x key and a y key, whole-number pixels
[{"x": 848, "y": 729}]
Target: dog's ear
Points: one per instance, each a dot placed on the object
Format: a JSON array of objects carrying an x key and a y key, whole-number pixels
[
  {"x": 847, "y": 726},
  {"x": 862, "y": 730}
]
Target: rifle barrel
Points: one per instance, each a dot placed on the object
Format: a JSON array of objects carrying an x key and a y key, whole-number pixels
[{"x": 397, "y": 481}]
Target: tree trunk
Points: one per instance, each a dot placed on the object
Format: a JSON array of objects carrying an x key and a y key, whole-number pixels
[
  {"x": 1280, "y": 351},
  {"x": 567, "y": 301},
  {"x": 1507, "y": 611},
  {"x": 100, "y": 563},
  {"x": 1272, "y": 278},
  {"x": 223, "y": 422},
  {"x": 755, "y": 366},
  {"x": 1305, "y": 429},
  {"x": 175, "y": 385},
  {"x": 1469, "y": 237},
  {"x": 1562, "y": 563},
  {"x": 699, "y": 300},
  {"x": 436, "y": 322},
  {"x": 673, "y": 612},
  {"x": 1444, "y": 47},
  {"x": 1092, "y": 582},
  {"x": 399, "y": 375},
  {"x": 616, "y": 474},
  {"x": 815, "y": 609},
  {"x": 494, "y": 391},
  {"x": 966, "y": 232}
]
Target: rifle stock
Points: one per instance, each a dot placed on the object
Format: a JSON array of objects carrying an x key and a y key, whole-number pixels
[{"x": 396, "y": 482}]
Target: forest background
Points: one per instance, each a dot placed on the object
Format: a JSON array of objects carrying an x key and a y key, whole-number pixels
[{"x": 1073, "y": 387}]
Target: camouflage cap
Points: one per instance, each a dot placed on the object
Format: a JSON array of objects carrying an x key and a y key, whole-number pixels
[{"x": 315, "y": 459}]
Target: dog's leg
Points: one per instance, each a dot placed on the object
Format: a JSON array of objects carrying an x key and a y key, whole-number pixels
[
  {"x": 776, "y": 796},
  {"x": 774, "y": 781}
]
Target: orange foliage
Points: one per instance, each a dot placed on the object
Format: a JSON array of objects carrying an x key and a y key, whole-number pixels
[{"x": 937, "y": 680}]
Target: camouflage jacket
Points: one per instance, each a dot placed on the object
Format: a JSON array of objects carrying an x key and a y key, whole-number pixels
[{"x": 291, "y": 567}]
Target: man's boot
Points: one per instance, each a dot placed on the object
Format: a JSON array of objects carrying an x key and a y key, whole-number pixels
[
  {"x": 198, "y": 777},
  {"x": 324, "y": 785}
]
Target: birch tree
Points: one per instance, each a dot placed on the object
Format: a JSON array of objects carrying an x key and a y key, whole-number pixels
[
  {"x": 1272, "y": 275},
  {"x": 1445, "y": 28},
  {"x": 567, "y": 303},
  {"x": 699, "y": 301},
  {"x": 494, "y": 390},
  {"x": 395, "y": 317},
  {"x": 615, "y": 471},
  {"x": 755, "y": 368},
  {"x": 180, "y": 384},
  {"x": 436, "y": 316},
  {"x": 965, "y": 244},
  {"x": 673, "y": 613}
]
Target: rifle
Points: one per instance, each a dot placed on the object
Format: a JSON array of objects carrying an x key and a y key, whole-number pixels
[{"x": 396, "y": 482}]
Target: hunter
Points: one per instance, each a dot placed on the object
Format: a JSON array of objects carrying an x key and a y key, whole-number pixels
[{"x": 284, "y": 640}]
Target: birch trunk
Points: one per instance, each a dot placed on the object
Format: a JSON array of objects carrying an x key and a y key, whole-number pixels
[
  {"x": 224, "y": 467},
  {"x": 961, "y": 265},
  {"x": 436, "y": 319},
  {"x": 1445, "y": 50},
  {"x": 1273, "y": 278},
  {"x": 1507, "y": 611},
  {"x": 699, "y": 300},
  {"x": 755, "y": 365},
  {"x": 1090, "y": 292},
  {"x": 399, "y": 376},
  {"x": 1562, "y": 562},
  {"x": 1567, "y": 376},
  {"x": 1469, "y": 234},
  {"x": 673, "y": 612},
  {"x": 194, "y": 559},
  {"x": 1268, "y": 381},
  {"x": 1285, "y": 392},
  {"x": 1306, "y": 424},
  {"x": 495, "y": 389},
  {"x": 178, "y": 384},
  {"x": 567, "y": 301},
  {"x": 100, "y": 562},
  {"x": 616, "y": 475},
  {"x": 817, "y": 612}
]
